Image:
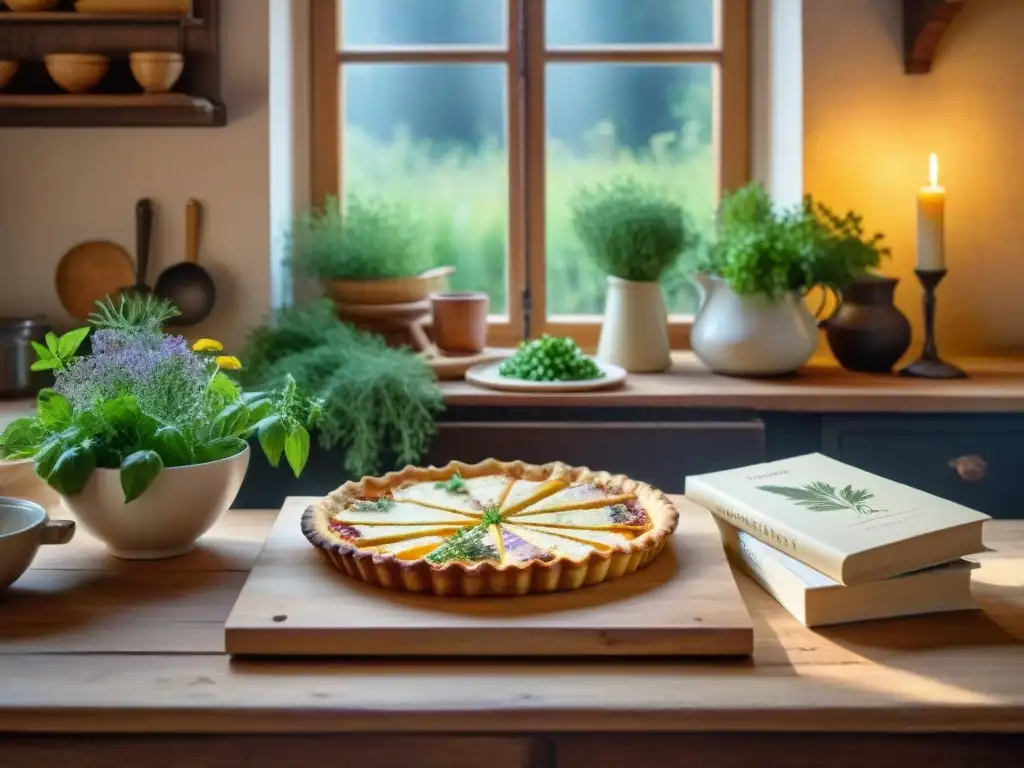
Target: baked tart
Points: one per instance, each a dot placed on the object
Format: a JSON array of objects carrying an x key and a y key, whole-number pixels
[{"x": 493, "y": 528}]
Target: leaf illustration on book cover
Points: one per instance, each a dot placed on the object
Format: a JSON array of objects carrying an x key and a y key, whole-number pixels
[{"x": 822, "y": 497}]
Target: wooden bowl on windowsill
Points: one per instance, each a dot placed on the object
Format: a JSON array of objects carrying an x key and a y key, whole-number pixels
[{"x": 399, "y": 290}]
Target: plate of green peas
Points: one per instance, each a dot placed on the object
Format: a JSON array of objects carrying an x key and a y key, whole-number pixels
[{"x": 547, "y": 364}]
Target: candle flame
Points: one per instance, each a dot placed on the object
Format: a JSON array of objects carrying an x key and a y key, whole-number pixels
[{"x": 933, "y": 170}]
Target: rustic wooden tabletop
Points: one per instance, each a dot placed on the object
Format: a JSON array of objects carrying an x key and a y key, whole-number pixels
[{"x": 92, "y": 644}]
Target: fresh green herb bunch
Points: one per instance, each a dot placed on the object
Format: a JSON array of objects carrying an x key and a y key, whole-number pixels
[
  {"x": 631, "y": 230},
  {"x": 549, "y": 358},
  {"x": 843, "y": 251},
  {"x": 370, "y": 239},
  {"x": 380, "y": 402},
  {"x": 144, "y": 400},
  {"x": 769, "y": 250},
  {"x": 473, "y": 544}
]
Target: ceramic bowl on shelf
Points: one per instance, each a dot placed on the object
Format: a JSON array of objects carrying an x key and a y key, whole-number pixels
[
  {"x": 8, "y": 68},
  {"x": 29, "y": 6},
  {"x": 156, "y": 71},
  {"x": 77, "y": 72}
]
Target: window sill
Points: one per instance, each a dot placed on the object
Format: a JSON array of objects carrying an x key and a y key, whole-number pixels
[{"x": 821, "y": 386}]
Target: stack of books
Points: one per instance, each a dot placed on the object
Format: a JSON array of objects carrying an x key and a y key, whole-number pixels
[{"x": 835, "y": 544}]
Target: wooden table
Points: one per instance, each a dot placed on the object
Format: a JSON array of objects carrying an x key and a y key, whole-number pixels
[{"x": 108, "y": 663}]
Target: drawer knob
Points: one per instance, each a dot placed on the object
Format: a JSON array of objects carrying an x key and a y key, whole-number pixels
[{"x": 970, "y": 468}]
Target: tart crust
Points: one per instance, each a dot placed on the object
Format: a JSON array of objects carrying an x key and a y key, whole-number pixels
[{"x": 458, "y": 578}]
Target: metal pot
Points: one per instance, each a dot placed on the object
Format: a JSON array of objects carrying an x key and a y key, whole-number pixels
[{"x": 17, "y": 380}]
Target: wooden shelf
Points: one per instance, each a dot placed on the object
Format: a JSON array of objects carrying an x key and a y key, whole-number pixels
[
  {"x": 72, "y": 17},
  {"x": 924, "y": 24},
  {"x": 110, "y": 110},
  {"x": 32, "y": 99}
]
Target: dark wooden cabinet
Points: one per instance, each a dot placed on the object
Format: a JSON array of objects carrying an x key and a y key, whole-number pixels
[
  {"x": 659, "y": 453},
  {"x": 975, "y": 460},
  {"x": 972, "y": 459}
]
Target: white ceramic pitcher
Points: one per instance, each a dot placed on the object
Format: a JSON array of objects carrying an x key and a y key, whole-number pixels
[
  {"x": 634, "y": 333},
  {"x": 751, "y": 335}
]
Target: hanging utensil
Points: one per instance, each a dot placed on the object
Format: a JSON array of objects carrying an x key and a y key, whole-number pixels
[
  {"x": 187, "y": 285},
  {"x": 143, "y": 233},
  {"x": 90, "y": 272}
]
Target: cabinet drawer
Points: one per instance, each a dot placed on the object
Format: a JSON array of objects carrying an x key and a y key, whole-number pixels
[
  {"x": 266, "y": 751},
  {"x": 978, "y": 462},
  {"x": 662, "y": 454}
]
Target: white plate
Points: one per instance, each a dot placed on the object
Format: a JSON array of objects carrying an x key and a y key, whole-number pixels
[{"x": 486, "y": 375}]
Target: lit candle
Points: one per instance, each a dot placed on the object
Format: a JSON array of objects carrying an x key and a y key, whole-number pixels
[{"x": 931, "y": 203}]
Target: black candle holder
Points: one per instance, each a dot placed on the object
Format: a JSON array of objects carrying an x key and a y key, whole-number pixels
[{"x": 929, "y": 365}]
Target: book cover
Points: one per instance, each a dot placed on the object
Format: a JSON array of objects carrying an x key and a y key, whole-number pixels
[
  {"x": 849, "y": 524},
  {"x": 816, "y": 600}
]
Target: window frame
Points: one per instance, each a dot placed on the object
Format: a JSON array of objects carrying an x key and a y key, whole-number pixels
[{"x": 525, "y": 53}]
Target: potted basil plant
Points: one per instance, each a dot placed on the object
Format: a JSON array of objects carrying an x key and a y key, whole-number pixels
[{"x": 145, "y": 438}]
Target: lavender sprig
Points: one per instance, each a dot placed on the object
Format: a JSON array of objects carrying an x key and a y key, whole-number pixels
[{"x": 167, "y": 379}]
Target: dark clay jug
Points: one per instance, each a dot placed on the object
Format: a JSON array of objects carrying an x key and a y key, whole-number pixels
[{"x": 867, "y": 333}]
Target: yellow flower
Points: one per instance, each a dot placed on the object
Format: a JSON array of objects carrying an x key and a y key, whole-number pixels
[
  {"x": 207, "y": 345},
  {"x": 229, "y": 363}
]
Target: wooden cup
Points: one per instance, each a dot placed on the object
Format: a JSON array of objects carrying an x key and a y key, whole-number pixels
[{"x": 460, "y": 321}]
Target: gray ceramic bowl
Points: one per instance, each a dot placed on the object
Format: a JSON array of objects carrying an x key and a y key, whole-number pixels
[{"x": 24, "y": 526}]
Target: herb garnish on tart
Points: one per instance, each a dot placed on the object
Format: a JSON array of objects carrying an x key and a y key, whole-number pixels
[
  {"x": 454, "y": 484},
  {"x": 492, "y": 528},
  {"x": 374, "y": 505}
]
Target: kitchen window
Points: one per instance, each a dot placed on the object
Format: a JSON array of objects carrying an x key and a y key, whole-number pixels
[{"x": 486, "y": 116}]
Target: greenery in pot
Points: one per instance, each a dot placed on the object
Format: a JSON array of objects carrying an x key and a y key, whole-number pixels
[
  {"x": 143, "y": 401},
  {"x": 765, "y": 249},
  {"x": 369, "y": 238},
  {"x": 380, "y": 403},
  {"x": 631, "y": 230}
]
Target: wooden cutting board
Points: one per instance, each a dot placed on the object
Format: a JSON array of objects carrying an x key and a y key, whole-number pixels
[{"x": 686, "y": 603}]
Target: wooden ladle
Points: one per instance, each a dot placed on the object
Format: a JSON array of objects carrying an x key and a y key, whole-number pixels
[{"x": 187, "y": 285}]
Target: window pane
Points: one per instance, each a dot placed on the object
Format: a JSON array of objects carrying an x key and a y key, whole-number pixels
[
  {"x": 629, "y": 22},
  {"x": 608, "y": 121},
  {"x": 433, "y": 137},
  {"x": 422, "y": 22}
]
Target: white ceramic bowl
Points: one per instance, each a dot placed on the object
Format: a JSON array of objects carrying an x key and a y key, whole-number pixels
[{"x": 180, "y": 505}]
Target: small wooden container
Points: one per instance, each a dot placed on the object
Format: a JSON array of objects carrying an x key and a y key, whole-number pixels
[
  {"x": 460, "y": 321},
  {"x": 30, "y": 6},
  {"x": 8, "y": 68},
  {"x": 77, "y": 72},
  {"x": 156, "y": 71}
]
